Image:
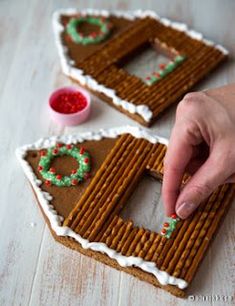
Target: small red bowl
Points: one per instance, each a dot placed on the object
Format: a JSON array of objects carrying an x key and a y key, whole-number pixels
[{"x": 69, "y": 106}]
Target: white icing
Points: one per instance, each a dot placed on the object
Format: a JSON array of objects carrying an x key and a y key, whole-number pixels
[
  {"x": 56, "y": 221},
  {"x": 195, "y": 35},
  {"x": 222, "y": 49},
  {"x": 67, "y": 66}
]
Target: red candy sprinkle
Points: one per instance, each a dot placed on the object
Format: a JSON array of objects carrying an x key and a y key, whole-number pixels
[
  {"x": 55, "y": 151},
  {"x": 40, "y": 168},
  {"x": 156, "y": 74},
  {"x": 166, "y": 224},
  {"x": 69, "y": 146},
  {"x": 162, "y": 66},
  {"x": 59, "y": 176},
  {"x": 52, "y": 170},
  {"x": 59, "y": 145},
  {"x": 74, "y": 182},
  {"x": 86, "y": 160},
  {"x": 82, "y": 150},
  {"x": 73, "y": 171},
  {"x": 173, "y": 216},
  {"x": 42, "y": 153},
  {"x": 69, "y": 103},
  {"x": 163, "y": 231},
  {"x": 48, "y": 183}
]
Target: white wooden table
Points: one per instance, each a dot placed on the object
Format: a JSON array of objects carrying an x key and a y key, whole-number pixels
[{"x": 34, "y": 269}]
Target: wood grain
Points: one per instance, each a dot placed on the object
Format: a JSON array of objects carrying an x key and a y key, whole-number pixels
[{"x": 34, "y": 269}]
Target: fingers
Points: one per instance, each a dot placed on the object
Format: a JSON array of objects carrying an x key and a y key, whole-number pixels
[
  {"x": 197, "y": 125},
  {"x": 209, "y": 176},
  {"x": 178, "y": 154},
  {"x": 185, "y": 138}
]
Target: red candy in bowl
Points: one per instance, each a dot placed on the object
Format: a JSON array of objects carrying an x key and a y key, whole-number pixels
[{"x": 69, "y": 106}]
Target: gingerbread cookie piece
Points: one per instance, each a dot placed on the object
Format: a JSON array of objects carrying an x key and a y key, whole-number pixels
[
  {"x": 95, "y": 46},
  {"x": 85, "y": 214}
]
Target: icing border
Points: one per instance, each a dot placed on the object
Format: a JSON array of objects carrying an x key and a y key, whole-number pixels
[
  {"x": 78, "y": 74},
  {"x": 55, "y": 220}
]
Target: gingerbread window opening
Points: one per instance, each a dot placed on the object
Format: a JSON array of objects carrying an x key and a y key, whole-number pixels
[
  {"x": 151, "y": 62},
  {"x": 145, "y": 205}
]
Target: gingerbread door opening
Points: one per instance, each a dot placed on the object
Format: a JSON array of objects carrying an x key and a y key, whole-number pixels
[{"x": 145, "y": 205}]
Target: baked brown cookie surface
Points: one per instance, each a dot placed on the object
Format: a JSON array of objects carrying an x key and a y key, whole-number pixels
[
  {"x": 86, "y": 216},
  {"x": 100, "y": 66}
]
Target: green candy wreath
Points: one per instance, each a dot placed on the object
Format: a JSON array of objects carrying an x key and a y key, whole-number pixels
[
  {"x": 93, "y": 38},
  {"x": 77, "y": 175}
]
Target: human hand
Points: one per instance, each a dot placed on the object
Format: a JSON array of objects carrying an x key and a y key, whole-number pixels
[{"x": 202, "y": 144}]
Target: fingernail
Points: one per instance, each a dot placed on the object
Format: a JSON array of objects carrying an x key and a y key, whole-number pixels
[{"x": 185, "y": 210}]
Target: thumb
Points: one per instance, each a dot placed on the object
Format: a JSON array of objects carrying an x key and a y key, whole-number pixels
[{"x": 208, "y": 177}]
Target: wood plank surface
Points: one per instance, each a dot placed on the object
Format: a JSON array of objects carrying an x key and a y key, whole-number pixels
[{"x": 34, "y": 269}]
